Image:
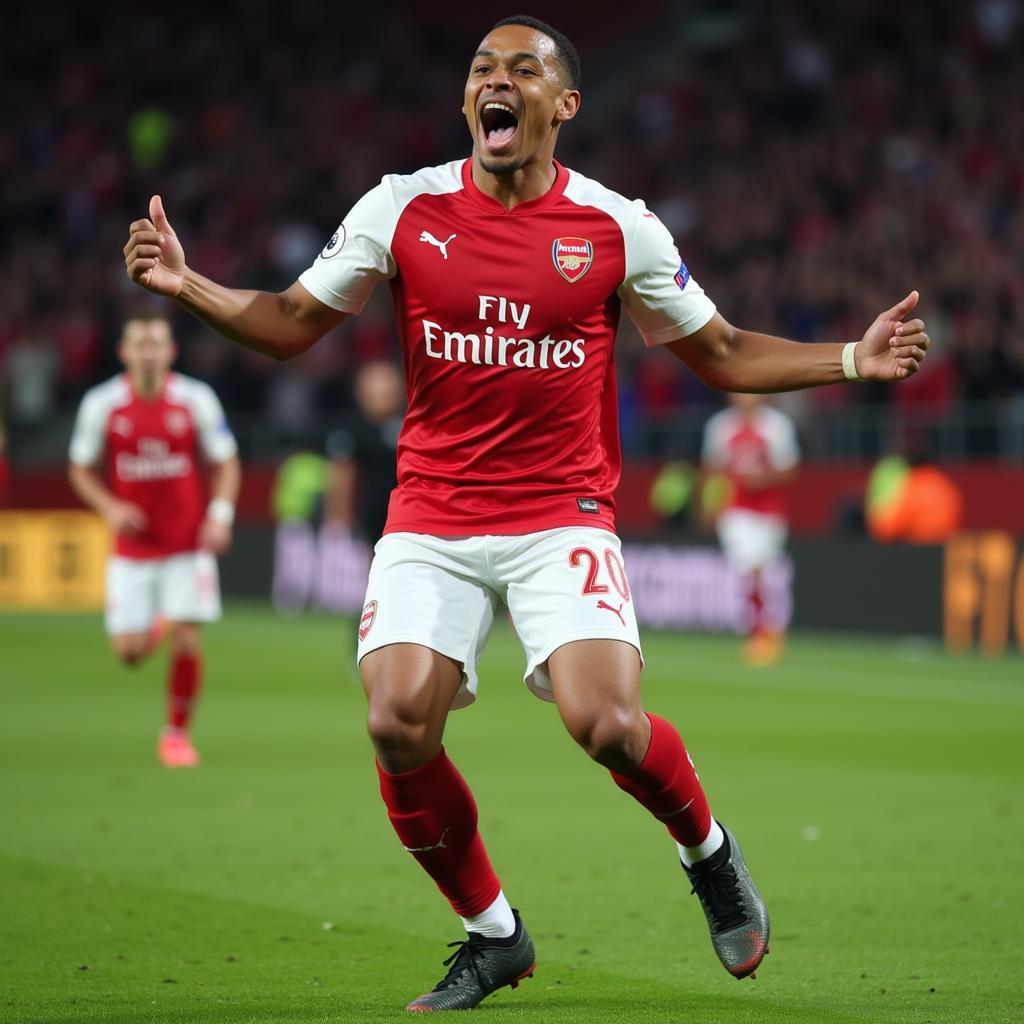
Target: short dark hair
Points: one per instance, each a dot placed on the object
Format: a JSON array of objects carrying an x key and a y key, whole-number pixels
[
  {"x": 566, "y": 53},
  {"x": 146, "y": 314}
]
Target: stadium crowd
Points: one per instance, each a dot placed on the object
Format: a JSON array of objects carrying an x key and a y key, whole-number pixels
[{"x": 814, "y": 161}]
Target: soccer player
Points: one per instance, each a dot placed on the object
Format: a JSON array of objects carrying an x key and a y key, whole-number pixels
[
  {"x": 152, "y": 427},
  {"x": 754, "y": 446},
  {"x": 508, "y": 272}
]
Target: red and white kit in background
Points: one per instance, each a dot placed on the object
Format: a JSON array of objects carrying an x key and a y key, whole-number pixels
[
  {"x": 151, "y": 449},
  {"x": 508, "y": 321},
  {"x": 753, "y": 527}
]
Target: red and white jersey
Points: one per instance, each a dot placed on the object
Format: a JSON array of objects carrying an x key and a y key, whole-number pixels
[
  {"x": 741, "y": 444},
  {"x": 508, "y": 321},
  {"x": 150, "y": 447}
]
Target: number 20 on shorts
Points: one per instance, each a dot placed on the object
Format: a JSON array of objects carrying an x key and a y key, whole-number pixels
[{"x": 613, "y": 565}]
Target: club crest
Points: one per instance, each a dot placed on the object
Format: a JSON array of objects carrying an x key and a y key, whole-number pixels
[
  {"x": 121, "y": 425},
  {"x": 176, "y": 422},
  {"x": 367, "y": 619},
  {"x": 572, "y": 257}
]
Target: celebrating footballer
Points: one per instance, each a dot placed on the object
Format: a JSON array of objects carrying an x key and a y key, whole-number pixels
[{"x": 508, "y": 272}]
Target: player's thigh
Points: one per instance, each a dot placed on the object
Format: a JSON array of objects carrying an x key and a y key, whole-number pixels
[
  {"x": 409, "y": 692},
  {"x": 190, "y": 587},
  {"x": 132, "y": 593},
  {"x": 564, "y": 586},
  {"x": 596, "y": 686},
  {"x": 430, "y": 593},
  {"x": 749, "y": 539}
]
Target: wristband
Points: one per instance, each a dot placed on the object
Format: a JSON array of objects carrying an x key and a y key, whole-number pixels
[
  {"x": 220, "y": 510},
  {"x": 849, "y": 362}
]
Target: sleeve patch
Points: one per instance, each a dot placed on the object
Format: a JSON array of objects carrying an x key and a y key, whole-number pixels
[
  {"x": 682, "y": 276},
  {"x": 335, "y": 244}
]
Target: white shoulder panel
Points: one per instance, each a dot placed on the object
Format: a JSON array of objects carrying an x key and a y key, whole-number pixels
[
  {"x": 717, "y": 432},
  {"x": 215, "y": 437},
  {"x": 661, "y": 298},
  {"x": 358, "y": 254},
  {"x": 88, "y": 438},
  {"x": 780, "y": 435}
]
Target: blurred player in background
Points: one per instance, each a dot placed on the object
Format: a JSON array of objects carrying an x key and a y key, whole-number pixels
[
  {"x": 753, "y": 446},
  {"x": 508, "y": 272},
  {"x": 363, "y": 453},
  {"x": 153, "y": 429}
]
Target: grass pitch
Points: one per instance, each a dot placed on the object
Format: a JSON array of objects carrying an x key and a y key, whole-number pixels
[{"x": 876, "y": 788}]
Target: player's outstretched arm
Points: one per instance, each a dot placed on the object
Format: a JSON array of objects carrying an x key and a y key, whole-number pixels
[
  {"x": 731, "y": 359},
  {"x": 281, "y": 325}
]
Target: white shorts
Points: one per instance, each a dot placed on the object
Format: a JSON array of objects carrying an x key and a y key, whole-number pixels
[
  {"x": 751, "y": 540},
  {"x": 182, "y": 588},
  {"x": 559, "y": 585}
]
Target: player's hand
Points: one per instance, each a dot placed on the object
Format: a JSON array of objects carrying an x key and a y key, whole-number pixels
[
  {"x": 124, "y": 517},
  {"x": 892, "y": 349},
  {"x": 153, "y": 255},
  {"x": 214, "y": 537}
]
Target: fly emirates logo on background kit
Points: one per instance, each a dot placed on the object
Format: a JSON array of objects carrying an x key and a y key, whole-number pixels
[
  {"x": 498, "y": 345},
  {"x": 155, "y": 461}
]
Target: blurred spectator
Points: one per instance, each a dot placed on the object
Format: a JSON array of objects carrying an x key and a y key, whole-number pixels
[
  {"x": 672, "y": 494},
  {"x": 32, "y": 369},
  {"x": 298, "y": 494},
  {"x": 814, "y": 162},
  {"x": 363, "y": 453},
  {"x": 912, "y": 501}
]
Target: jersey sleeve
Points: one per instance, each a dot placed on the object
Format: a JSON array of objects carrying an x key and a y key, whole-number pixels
[
  {"x": 215, "y": 437},
  {"x": 783, "y": 446},
  {"x": 358, "y": 254},
  {"x": 89, "y": 436},
  {"x": 714, "y": 450},
  {"x": 659, "y": 294}
]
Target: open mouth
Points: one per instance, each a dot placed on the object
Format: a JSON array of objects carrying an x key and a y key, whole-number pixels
[{"x": 499, "y": 124}]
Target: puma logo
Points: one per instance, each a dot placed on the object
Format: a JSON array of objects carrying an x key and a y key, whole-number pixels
[
  {"x": 615, "y": 611},
  {"x": 672, "y": 814},
  {"x": 439, "y": 845},
  {"x": 426, "y": 236}
]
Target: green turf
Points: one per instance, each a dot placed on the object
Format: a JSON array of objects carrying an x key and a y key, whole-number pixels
[{"x": 876, "y": 788}]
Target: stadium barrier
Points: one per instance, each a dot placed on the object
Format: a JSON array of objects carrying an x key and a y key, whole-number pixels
[
  {"x": 971, "y": 592},
  {"x": 983, "y": 593},
  {"x": 821, "y": 499},
  {"x": 52, "y": 560}
]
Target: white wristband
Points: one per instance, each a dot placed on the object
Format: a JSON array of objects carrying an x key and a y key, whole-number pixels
[
  {"x": 849, "y": 361},
  {"x": 220, "y": 510}
]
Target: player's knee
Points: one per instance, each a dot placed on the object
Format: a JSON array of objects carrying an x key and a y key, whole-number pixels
[
  {"x": 609, "y": 736},
  {"x": 183, "y": 638},
  {"x": 398, "y": 736},
  {"x": 128, "y": 652}
]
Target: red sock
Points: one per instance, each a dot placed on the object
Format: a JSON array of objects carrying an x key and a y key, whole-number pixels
[
  {"x": 184, "y": 676},
  {"x": 666, "y": 784},
  {"x": 435, "y": 816}
]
